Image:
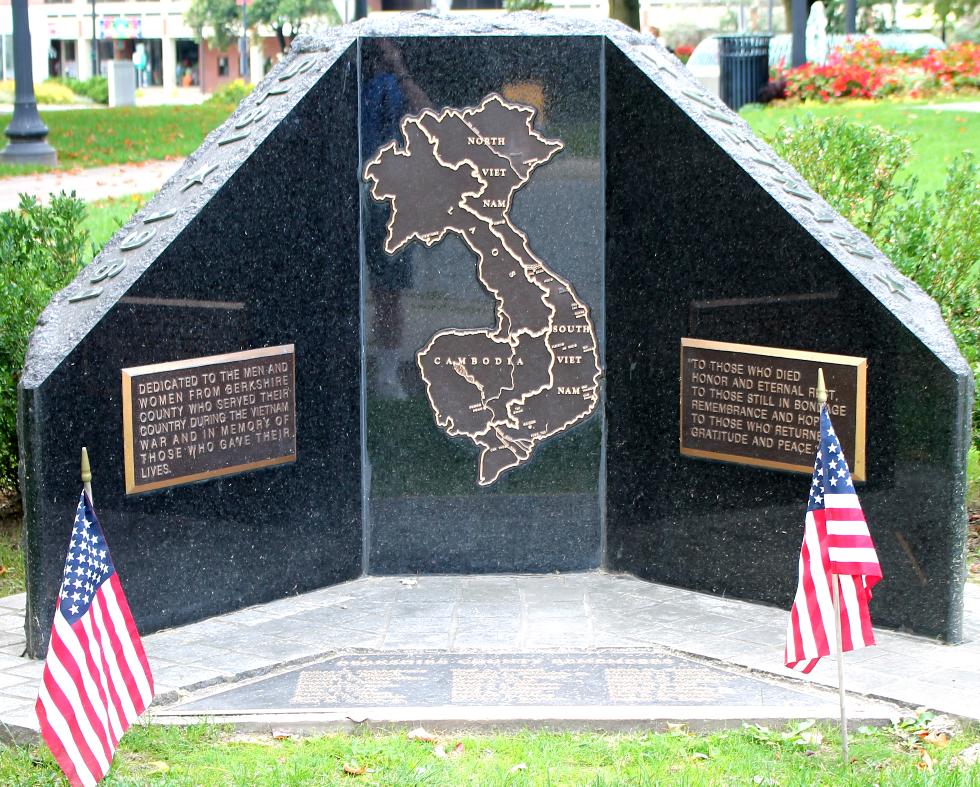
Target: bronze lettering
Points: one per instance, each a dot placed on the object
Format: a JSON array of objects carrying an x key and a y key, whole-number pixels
[
  {"x": 757, "y": 405},
  {"x": 205, "y": 417}
]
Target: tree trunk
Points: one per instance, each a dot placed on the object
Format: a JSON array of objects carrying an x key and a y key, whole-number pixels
[
  {"x": 625, "y": 11},
  {"x": 281, "y": 38}
]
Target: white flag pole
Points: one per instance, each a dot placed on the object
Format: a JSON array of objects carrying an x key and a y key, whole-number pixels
[
  {"x": 87, "y": 475},
  {"x": 840, "y": 669},
  {"x": 835, "y": 581}
]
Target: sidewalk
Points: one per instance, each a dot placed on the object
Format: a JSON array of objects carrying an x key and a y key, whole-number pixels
[
  {"x": 119, "y": 180},
  {"x": 145, "y": 97},
  {"x": 241, "y": 667}
]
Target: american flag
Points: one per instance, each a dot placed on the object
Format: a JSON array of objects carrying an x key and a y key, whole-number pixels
[
  {"x": 96, "y": 679},
  {"x": 836, "y": 543}
]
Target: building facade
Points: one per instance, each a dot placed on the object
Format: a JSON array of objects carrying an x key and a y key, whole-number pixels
[{"x": 151, "y": 33}]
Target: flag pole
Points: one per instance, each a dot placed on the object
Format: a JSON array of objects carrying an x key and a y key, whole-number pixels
[
  {"x": 87, "y": 475},
  {"x": 835, "y": 582}
]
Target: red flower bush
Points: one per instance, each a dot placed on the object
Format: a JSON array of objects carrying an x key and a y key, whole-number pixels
[
  {"x": 865, "y": 70},
  {"x": 683, "y": 52},
  {"x": 958, "y": 66}
]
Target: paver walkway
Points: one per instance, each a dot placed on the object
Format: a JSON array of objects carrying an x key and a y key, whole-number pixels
[
  {"x": 505, "y": 614},
  {"x": 117, "y": 180},
  {"x": 960, "y": 106}
]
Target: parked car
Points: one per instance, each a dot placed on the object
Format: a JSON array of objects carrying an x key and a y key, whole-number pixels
[{"x": 703, "y": 62}]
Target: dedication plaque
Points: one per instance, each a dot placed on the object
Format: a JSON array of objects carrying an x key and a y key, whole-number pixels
[
  {"x": 757, "y": 405},
  {"x": 200, "y": 418}
]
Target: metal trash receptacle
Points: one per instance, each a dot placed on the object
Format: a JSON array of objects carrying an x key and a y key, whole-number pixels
[{"x": 744, "y": 62}]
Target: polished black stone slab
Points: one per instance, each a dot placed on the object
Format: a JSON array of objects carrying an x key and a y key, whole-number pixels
[
  {"x": 610, "y": 678},
  {"x": 718, "y": 246},
  {"x": 426, "y": 509},
  {"x": 258, "y": 254}
]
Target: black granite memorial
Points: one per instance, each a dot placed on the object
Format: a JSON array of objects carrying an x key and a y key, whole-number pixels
[{"x": 418, "y": 306}]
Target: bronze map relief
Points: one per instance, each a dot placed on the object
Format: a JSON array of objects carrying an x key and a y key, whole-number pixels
[
  {"x": 201, "y": 418},
  {"x": 535, "y": 372},
  {"x": 757, "y": 405}
]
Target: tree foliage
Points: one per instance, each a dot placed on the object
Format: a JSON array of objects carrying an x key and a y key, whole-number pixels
[
  {"x": 220, "y": 21},
  {"x": 282, "y": 14},
  {"x": 527, "y": 5}
]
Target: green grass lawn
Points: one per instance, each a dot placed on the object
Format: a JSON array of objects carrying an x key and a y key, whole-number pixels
[
  {"x": 106, "y": 216},
  {"x": 98, "y": 137},
  {"x": 749, "y": 756},
  {"x": 11, "y": 557},
  {"x": 937, "y": 136}
]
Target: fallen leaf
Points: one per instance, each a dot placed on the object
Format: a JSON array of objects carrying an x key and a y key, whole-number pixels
[
  {"x": 281, "y": 735},
  {"x": 700, "y": 755},
  {"x": 353, "y": 769},
  {"x": 421, "y": 734},
  {"x": 458, "y": 749},
  {"x": 517, "y": 768},
  {"x": 925, "y": 761},
  {"x": 937, "y": 739}
]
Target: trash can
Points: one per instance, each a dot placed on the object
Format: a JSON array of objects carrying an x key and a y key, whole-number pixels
[{"x": 744, "y": 62}]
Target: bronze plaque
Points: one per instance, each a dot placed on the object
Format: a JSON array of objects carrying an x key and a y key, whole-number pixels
[
  {"x": 535, "y": 372},
  {"x": 200, "y": 418},
  {"x": 757, "y": 405}
]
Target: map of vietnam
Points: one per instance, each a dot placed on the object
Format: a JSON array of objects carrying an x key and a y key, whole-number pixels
[{"x": 535, "y": 373}]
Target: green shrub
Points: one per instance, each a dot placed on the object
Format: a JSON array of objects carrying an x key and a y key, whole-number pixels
[
  {"x": 231, "y": 93},
  {"x": 41, "y": 250},
  {"x": 94, "y": 88},
  {"x": 527, "y": 5},
  {"x": 852, "y": 166},
  {"x": 48, "y": 92},
  {"x": 934, "y": 239}
]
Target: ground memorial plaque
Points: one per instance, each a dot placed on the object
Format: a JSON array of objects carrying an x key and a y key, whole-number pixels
[
  {"x": 611, "y": 678},
  {"x": 496, "y": 233}
]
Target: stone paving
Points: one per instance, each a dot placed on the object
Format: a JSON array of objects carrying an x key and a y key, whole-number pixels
[
  {"x": 118, "y": 180},
  {"x": 499, "y": 613}
]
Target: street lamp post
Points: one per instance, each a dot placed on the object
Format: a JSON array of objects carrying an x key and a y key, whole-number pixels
[
  {"x": 243, "y": 58},
  {"x": 95, "y": 45},
  {"x": 798, "y": 51},
  {"x": 27, "y": 132}
]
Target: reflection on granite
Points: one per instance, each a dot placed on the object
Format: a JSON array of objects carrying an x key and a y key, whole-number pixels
[{"x": 426, "y": 512}]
